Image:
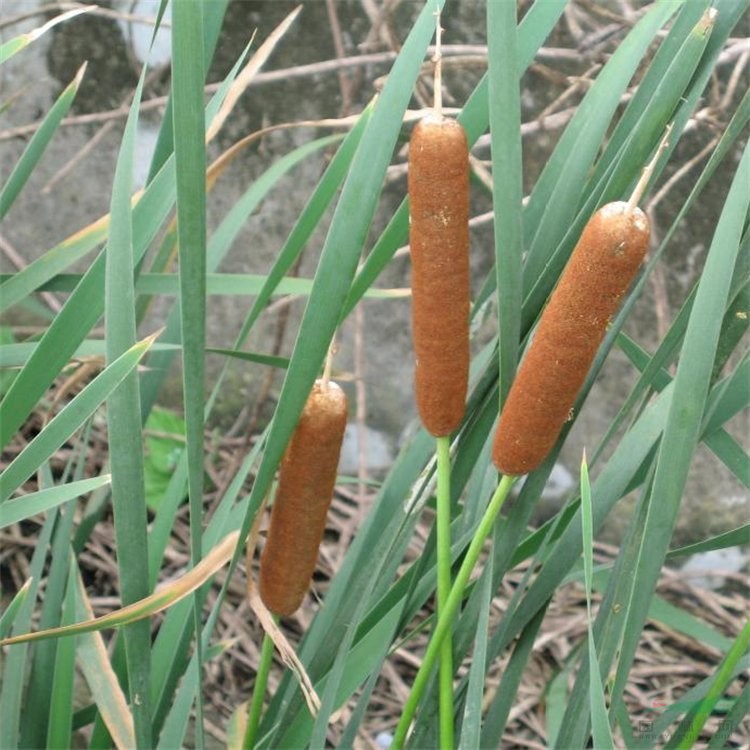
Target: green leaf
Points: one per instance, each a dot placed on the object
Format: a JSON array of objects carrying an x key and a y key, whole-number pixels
[
  {"x": 15, "y": 663},
  {"x": 601, "y": 732},
  {"x": 555, "y": 198},
  {"x": 13, "y": 608},
  {"x": 188, "y": 74},
  {"x": 70, "y": 419},
  {"x": 721, "y": 541},
  {"x": 472, "y": 717},
  {"x": 688, "y": 732},
  {"x": 165, "y": 442},
  {"x": 38, "y": 143},
  {"x": 60, "y": 720},
  {"x": 29, "y": 505},
  {"x": 124, "y": 428},
  {"x": 682, "y": 430},
  {"x": 507, "y": 181},
  {"x": 15, "y": 45}
]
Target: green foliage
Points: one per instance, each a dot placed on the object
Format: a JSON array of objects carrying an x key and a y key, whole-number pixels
[
  {"x": 164, "y": 435},
  {"x": 147, "y": 689}
]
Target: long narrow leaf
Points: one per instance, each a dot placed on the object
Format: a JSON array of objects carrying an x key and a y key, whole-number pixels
[
  {"x": 39, "y": 142},
  {"x": 686, "y": 413},
  {"x": 507, "y": 181},
  {"x": 44, "y": 500},
  {"x": 70, "y": 419}
]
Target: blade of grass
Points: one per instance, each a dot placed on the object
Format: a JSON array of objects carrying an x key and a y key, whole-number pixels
[
  {"x": 60, "y": 721},
  {"x": 39, "y": 692},
  {"x": 38, "y": 143},
  {"x": 15, "y": 663},
  {"x": 601, "y": 732},
  {"x": 534, "y": 28},
  {"x": 124, "y": 429},
  {"x": 188, "y": 73},
  {"x": 12, "y": 609},
  {"x": 101, "y": 678},
  {"x": 70, "y": 419},
  {"x": 472, "y": 717},
  {"x": 496, "y": 716},
  {"x": 165, "y": 597},
  {"x": 683, "y": 425},
  {"x": 47, "y": 499},
  {"x": 507, "y": 176},
  {"x": 555, "y": 198},
  {"x": 15, "y": 45}
]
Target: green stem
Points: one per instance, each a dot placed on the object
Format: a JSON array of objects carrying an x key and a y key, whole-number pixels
[
  {"x": 259, "y": 692},
  {"x": 451, "y": 608},
  {"x": 444, "y": 587}
]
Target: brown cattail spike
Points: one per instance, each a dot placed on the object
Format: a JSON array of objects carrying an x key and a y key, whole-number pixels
[
  {"x": 439, "y": 239},
  {"x": 306, "y": 481},
  {"x": 572, "y": 326}
]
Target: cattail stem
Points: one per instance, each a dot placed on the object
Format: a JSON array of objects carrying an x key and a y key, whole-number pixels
[
  {"x": 327, "y": 367},
  {"x": 444, "y": 586},
  {"x": 259, "y": 692},
  {"x": 455, "y": 597},
  {"x": 642, "y": 184},
  {"x": 437, "y": 58}
]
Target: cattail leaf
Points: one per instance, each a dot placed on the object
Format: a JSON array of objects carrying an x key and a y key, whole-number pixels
[
  {"x": 213, "y": 19},
  {"x": 534, "y": 28},
  {"x": 15, "y": 663},
  {"x": 496, "y": 716},
  {"x": 167, "y": 595},
  {"x": 14, "y": 46},
  {"x": 243, "y": 80},
  {"x": 554, "y": 199},
  {"x": 101, "y": 679},
  {"x": 29, "y": 505},
  {"x": 261, "y": 359},
  {"x": 16, "y": 287},
  {"x": 601, "y": 732},
  {"x": 12, "y": 609},
  {"x": 303, "y": 229},
  {"x": 218, "y": 246},
  {"x": 70, "y": 418},
  {"x": 507, "y": 181},
  {"x": 661, "y": 68},
  {"x": 358, "y": 664},
  {"x": 124, "y": 427},
  {"x": 167, "y": 284},
  {"x": 731, "y": 720},
  {"x": 691, "y": 386},
  {"x": 472, "y": 716},
  {"x": 173, "y": 733},
  {"x": 38, "y": 143},
  {"x": 59, "y": 723},
  {"x": 16, "y": 355},
  {"x": 689, "y": 699},
  {"x": 720, "y": 541},
  {"x": 86, "y": 305}
]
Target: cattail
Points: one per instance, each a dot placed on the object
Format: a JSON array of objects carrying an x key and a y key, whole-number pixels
[
  {"x": 439, "y": 239},
  {"x": 298, "y": 518},
  {"x": 572, "y": 326}
]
